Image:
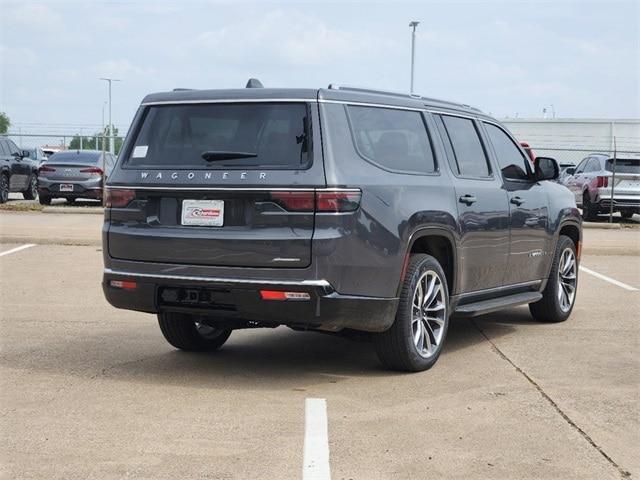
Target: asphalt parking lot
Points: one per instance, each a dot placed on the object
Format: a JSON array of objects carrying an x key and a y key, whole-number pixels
[{"x": 88, "y": 391}]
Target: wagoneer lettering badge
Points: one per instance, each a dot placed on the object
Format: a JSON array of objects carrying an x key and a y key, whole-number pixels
[{"x": 195, "y": 176}]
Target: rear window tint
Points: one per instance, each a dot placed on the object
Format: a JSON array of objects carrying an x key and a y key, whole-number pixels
[
  {"x": 74, "y": 157},
  {"x": 394, "y": 139},
  {"x": 624, "y": 165},
  {"x": 260, "y": 135}
]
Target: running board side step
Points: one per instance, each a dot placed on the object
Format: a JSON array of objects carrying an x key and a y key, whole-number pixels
[{"x": 493, "y": 304}]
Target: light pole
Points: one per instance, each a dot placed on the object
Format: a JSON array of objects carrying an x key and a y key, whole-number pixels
[
  {"x": 111, "y": 142},
  {"x": 104, "y": 104},
  {"x": 413, "y": 25}
]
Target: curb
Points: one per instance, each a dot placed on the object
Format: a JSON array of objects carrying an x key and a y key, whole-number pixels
[
  {"x": 602, "y": 226},
  {"x": 78, "y": 242},
  {"x": 80, "y": 210}
]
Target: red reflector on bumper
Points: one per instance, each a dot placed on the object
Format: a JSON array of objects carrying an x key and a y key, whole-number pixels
[
  {"x": 123, "y": 284},
  {"x": 281, "y": 296}
]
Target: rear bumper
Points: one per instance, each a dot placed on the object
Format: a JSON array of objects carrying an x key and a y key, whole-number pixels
[
  {"x": 239, "y": 300},
  {"x": 627, "y": 203},
  {"x": 81, "y": 189}
]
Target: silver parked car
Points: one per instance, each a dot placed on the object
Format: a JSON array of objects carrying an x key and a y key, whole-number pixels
[
  {"x": 592, "y": 180},
  {"x": 74, "y": 174}
]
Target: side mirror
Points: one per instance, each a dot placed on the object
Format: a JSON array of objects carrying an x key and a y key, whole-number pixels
[
  {"x": 26, "y": 154},
  {"x": 570, "y": 170},
  {"x": 547, "y": 168}
]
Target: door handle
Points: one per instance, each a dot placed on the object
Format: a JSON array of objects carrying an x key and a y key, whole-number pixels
[
  {"x": 517, "y": 201},
  {"x": 467, "y": 199}
]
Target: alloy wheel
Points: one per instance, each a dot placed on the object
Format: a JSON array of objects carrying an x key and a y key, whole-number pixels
[
  {"x": 567, "y": 278},
  {"x": 428, "y": 314},
  {"x": 4, "y": 188},
  {"x": 34, "y": 186}
]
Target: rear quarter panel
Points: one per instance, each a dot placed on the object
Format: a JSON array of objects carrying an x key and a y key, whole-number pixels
[{"x": 364, "y": 253}]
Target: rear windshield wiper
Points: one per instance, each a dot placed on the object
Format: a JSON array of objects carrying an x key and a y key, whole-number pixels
[{"x": 215, "y": 155}]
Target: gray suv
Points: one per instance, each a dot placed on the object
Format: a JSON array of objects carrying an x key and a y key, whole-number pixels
[{"x": 338, "y": 210}]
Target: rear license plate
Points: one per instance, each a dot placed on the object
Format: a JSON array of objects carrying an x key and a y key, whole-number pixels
[
  {"x": 209, "y": 213},
  {"x": 66, "y": 187}
]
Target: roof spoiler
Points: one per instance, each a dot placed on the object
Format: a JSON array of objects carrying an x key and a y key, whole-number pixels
[{"x": 254, "y": 83}]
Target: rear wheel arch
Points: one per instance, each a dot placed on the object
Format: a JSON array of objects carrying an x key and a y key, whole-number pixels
[{"x": 440, "y": 244}]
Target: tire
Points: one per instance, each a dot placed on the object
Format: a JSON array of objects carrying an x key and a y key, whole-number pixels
[
  {"x": 4, "y": 188},
  {"x": 552, "y": 307},
  {"x": 396, "y": 347},
  {"x": 589, "y": 212},
  {"x": 31, "y": 193},
  {"x": 44, "y": 200},
  {"x": 185, "y": 333}
]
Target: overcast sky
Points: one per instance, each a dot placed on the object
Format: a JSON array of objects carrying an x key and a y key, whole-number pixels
[{"x": 506, "y": 58}]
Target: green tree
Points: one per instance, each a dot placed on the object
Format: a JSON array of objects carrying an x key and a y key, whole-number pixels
[
  {"x": 89, "y": 142},
  {"x": 5, "y": 123}
]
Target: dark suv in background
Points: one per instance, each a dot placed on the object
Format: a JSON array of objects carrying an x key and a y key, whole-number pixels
[
  {"x": 18, "y": 172},
  {"x": 335, "y": 210}
]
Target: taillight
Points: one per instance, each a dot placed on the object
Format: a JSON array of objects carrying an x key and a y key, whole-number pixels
[
  {"x": 295, "y": 201},
  {"x": 44, "y": 168},
  {"x": 326, "y": 201},
  {"x": 602, "y": 182},
  {"x": 93, "y": 170},
  {"x": 119, "y": 197},
  {"x": 338, "y": 201}
]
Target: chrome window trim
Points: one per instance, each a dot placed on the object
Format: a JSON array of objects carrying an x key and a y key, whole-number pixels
[
  {"x": 366, "y": 104},
  {"x": 192, "y": 278},
  {"x": 229, "y": 100}
]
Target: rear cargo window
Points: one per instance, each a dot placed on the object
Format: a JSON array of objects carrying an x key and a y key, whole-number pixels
[
  {"x": 396, "y": 140},
  {"x": 259, "y": 135},
  {"x": 624, "y": 165}
]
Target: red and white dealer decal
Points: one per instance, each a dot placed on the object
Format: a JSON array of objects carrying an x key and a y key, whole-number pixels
[{"x": 203, "y": 212}]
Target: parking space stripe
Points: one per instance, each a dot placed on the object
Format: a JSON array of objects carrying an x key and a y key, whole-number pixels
[
  {"x": 316, "y": 441},
  {"x": 17, "y": 249},
  {"x": 608, "y": 279}
]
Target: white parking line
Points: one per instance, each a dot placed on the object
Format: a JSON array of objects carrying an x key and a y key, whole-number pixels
[
  {"x": 17, "y": 249},
  {"x": 608, "y": 279},
  {"x": 316, "y": 441}
]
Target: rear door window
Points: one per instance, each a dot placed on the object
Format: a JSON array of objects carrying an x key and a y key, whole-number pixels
[
  {"x": 471, "y": 159},
  {"x": 259, "y": 135},
  {"x": 396, "y": 140}
]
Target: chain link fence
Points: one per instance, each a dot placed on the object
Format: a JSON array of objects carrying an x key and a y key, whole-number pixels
[{"x": 54, "y": 142}]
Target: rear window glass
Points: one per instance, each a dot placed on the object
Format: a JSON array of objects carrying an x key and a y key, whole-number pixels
[
  {"x": 74, "y": 157},
  {"x": 393, "y": 139},
  {"x": 467, "y": 147},
  {"x": 624, "y": 165},
  {"x": 260, "y": 135}
]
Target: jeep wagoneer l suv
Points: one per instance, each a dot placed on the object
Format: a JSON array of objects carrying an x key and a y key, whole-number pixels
[{"x": 334, "y": 210}]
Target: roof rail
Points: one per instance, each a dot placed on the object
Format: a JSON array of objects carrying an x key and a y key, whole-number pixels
[
  {"x": 334, "y": 86},
  {"x": 183, "y": 89}
]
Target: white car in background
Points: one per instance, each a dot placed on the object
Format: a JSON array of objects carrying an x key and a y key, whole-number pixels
[{"x": 592, "y": 180}]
